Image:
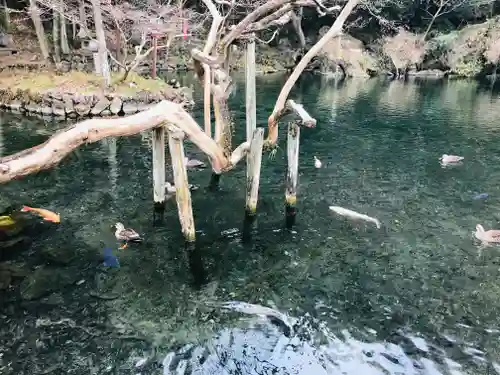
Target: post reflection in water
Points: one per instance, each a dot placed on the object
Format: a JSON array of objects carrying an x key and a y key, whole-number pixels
[{"x": 195, "y": 262}]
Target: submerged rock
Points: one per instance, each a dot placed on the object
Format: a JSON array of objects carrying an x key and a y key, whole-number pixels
[
  {"x": 5, "y": 279},
  {"x": 46, "y": 280},
  {"x": 10, "y": 247},
  {"x": 8, "y": 272},
  {"x": 58, "y": 254}
]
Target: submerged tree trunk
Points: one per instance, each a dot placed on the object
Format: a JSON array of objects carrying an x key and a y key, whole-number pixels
[
  {"x": 64, "y": 37},
  {"x": 101, "y": 39},
  {"x": 55, "y": 36},
  {"x": 40, "y": 32}
]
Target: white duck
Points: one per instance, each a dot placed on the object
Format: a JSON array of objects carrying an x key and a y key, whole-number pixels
[
  {"x": 488, "y": 236},
  {"x": 450, "y": 159},
  {"x": 126, "y": 234},
  {"x": 317, "y": 162}
]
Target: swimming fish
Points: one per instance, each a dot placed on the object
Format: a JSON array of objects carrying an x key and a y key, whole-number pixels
[
  {"x": 45, "y": 214},
  {"x": 354, "y": 215},
  {"x": 481, "y": 196},
  {"x": 6, "y": 221},
  {"x": 109, "y": 259},
  {"x": 450, "y": 159},
  {"x": 317, "y": 162}
]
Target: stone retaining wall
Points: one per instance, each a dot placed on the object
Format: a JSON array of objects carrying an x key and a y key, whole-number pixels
[
  {"x": 76, "y": 105},
  {"x": 84, "y": 63}
]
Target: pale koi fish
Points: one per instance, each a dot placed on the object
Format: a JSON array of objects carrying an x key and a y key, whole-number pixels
[{"x": 354, "y": 215}]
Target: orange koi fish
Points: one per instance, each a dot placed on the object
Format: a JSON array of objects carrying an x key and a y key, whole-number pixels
[{"x": 45, "y": 214}]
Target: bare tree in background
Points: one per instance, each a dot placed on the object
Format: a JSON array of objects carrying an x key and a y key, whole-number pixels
[
  {"x": 34, "y": 12},
  {"x": 126, "y": 27},
  {"x": 56, "y": 42},
  {"x": 134, "y": 27},
  {"x": 446, "y": 6},
  {"x": 102, "y": 49}
]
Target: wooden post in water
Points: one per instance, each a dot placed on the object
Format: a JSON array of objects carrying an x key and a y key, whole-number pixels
[
  {"x": 250, "y": 92},
  {"x": 254, "y": 159},
  {"x": 207, "y": 94},
  {"x": 182, "y": 194},
  {"x": 159, "y": 168},
  {"x": 292, "y": 175},
  {"x": 254, "y": 135}
]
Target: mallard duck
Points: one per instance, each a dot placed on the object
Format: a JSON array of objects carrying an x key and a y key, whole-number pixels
[
  {"x": 193, "y": 163},
  {"x": 126, "y": 234},
  {"x": 317, "y": 162},
  {"x": 492, "y": 235},
  {"x": 450, "y": 159}
]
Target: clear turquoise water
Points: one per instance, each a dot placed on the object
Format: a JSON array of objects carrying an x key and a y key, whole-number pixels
[{"x": 422, "y": 275}]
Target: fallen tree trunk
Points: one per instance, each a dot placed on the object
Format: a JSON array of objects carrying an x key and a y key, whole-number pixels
[{"x": 62, "y": 143}]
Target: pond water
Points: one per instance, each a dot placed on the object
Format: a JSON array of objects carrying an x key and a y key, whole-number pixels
[{"x": 418, "y": 296}]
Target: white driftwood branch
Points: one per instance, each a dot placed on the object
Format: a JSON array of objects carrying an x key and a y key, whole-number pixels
[
  {"x": 239, "y": 153},
  {"x": 278, "y": 18},
  {"x": 209, "y": 45},
  {"x": 299, "y": 110},
  {"x": 244, "y": 24},
  {"x": 57, "y": 147},
  {"x": 205, "y": 59},
  {"x": 216, "y": 22}
]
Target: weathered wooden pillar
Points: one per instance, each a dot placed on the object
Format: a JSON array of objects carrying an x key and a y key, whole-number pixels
[
  {"x": 159, "y": 168},
  {"x": 292, "y": 172},
  {"x": 250, "y": 92},
  {"x": 254, "y": 159},
  {"x": 207, "y": 94},
  {"x": 256, "y": 136},
  {"x": 182, "y": 194}
]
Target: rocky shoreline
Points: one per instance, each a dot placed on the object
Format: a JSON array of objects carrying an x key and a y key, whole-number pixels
[{"x": 74, "y": 106}]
